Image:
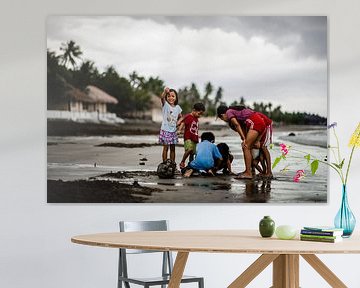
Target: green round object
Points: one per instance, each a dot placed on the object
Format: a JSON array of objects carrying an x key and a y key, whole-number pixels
[
  {"x": 266, "y": 226},
  {"x": 285, "y": 232}
]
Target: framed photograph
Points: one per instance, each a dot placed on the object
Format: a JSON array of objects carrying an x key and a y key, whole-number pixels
[{"x": 187, "y": 109}]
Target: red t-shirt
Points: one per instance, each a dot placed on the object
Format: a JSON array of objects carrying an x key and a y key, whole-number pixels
[{"x": 191, "y": 128}]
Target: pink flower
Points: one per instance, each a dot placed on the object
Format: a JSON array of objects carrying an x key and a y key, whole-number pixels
[
  {"x": 299, "y": 175},
  {"x": 284, "y": 149}
]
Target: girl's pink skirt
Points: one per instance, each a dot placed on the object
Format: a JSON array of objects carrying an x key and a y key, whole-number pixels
[{"x": 168, "y": 138}]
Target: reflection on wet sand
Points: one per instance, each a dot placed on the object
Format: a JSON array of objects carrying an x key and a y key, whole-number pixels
[{"x": 258, "y": 191}]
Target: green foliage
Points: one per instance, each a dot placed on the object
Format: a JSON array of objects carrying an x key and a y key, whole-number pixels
[
  {"x": 314, "y": 166},
  {"x": 71, "y": 52},
  {"x": 277, "y": 161},
  {"x": 134, "y": 93},
  {"x": 340, "y": 165}
]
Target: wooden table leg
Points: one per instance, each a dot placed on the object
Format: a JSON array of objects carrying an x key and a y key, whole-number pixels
[
  {"x": 178, "y": 270},
  {"x": 286, "y": 271},
  {"x": 253, "y": 270},
  {"x": 324, "y": 271}
]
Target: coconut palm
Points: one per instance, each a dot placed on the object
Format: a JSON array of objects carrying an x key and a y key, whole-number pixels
[
  {"x": 218, "y": 96},
  {"x": 71, "y": 52}
]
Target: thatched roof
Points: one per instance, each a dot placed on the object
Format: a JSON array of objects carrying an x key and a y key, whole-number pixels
[
  {"x": 74, "y": 93},
  {"x": 96, "y": 95},
  {"x": 91, "y": 94}
]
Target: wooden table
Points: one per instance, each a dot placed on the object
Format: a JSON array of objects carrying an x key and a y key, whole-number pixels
[{"x": 284, "y": 254}]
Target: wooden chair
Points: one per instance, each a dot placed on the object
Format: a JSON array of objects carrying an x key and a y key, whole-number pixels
[{"x": 167, "y": 262}]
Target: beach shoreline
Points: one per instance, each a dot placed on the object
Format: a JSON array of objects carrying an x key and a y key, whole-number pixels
[
  {"x": 91, "y": 165},
  {"x": 141, "y": 127}
]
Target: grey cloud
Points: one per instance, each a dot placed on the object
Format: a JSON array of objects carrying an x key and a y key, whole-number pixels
[{"x": 279, "y": 30}]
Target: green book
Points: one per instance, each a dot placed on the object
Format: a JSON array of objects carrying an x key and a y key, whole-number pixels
[
  {"x": 319, "y": 236},
  {"x": 326, "y": 240}
]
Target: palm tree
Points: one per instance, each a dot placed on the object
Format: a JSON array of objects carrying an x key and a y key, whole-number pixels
[
  {"x": 154, "y": 85},
  {"x": 195, "y": 95},
  {"x": 136, "y": 81},
  {"x": 86, "y": 74},
  {"x": 218, "y": 95},
  {"x": 208, "y": 90},
  {"x": 71, "y": 52}
]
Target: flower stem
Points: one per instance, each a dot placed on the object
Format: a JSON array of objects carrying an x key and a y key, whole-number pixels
[
  {"x": 339, "y": 171},
  {"x": 339, "y": 162}
]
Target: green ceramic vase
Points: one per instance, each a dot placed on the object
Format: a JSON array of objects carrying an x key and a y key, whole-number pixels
[{"x": 266, "y": 226}]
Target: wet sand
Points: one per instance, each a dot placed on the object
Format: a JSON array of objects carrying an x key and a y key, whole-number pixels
[{"x": 128, "y": 164}]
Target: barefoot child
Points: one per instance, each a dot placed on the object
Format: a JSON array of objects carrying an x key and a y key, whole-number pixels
[
  {"x": 258, "y": 162},
  {"x": 191, "y": 133},
  {"x": 171, "y": 112},
  {"x": 258, "y": 127},
  {"x": 227, "y": 157},
  {"x": 207, "y": 156}
]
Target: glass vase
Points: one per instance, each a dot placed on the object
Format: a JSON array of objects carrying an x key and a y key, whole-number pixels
[{"x": 345, "y": 219}]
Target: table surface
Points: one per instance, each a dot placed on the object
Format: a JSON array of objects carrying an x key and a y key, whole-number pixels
[{"x": 216, "y": 241}]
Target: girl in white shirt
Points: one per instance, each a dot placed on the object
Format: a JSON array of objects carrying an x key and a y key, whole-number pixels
[{"x": 171, "y": 113}]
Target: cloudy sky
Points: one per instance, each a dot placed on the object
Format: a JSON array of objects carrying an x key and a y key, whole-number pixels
[{"x": 277, "y": 59}]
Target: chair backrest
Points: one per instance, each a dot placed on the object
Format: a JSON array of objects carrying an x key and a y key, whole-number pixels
[{"x": 134, "y": 226}]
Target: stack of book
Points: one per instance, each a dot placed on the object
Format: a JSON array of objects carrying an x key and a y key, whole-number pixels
[{"x": 321, "y": 234}]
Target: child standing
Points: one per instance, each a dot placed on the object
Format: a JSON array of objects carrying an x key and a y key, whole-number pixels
[
  {"x": 171, "y": 112},
  {"x": 207, "y": 157},
  {"x": 191, "y": 133}
]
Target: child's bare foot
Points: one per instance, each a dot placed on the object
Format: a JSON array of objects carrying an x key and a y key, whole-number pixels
[
  {"x": 268, "y": 175},
  {"x": 188, "y": 173},
  {"x": 244, "y": 176},
  {"x": 241, "y": 173},
  {"x": 210, "y": 172}
]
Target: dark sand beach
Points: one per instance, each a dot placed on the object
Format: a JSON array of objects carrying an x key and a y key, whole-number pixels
[{"x": 120, "y": 168}]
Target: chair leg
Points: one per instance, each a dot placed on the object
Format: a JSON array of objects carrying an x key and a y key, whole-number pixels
[{"x": 201, "y": 283}]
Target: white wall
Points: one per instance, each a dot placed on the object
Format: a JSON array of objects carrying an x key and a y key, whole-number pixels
[{"x": 35, "y": 248}]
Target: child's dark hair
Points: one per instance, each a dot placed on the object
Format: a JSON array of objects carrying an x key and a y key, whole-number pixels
[
  {"x": 224, "y": 150},
  {"x": 223, "y": 108},
  {"x": 177, "y": 97},
  {"x": 209, "y": 136},
  {"x": 199, "y": 107}
]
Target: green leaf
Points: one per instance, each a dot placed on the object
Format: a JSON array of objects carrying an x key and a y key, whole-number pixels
[
  {"x": 336, "y": 165},
  {"x": 271, "y": 146},
  {"x": 341, "y": 164},
  {"x": 277, "y": 160},
  {"x": 307, "y": 157},
  {"x": 314, "y": 166}
]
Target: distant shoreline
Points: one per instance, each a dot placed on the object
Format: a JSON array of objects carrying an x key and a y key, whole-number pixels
[{"x": 137, "y": 127}]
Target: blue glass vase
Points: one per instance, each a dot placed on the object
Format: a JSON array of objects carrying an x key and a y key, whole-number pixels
[{"x": 345, "y": 219}]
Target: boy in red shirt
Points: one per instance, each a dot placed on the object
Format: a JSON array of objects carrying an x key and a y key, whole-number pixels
[{"x": 191, "y": 133}]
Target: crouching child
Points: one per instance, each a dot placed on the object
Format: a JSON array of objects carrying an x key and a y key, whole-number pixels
[{"x": 207, "y": 157}]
